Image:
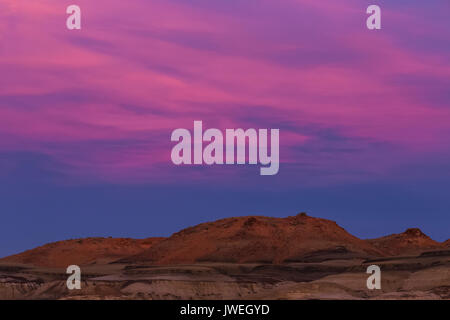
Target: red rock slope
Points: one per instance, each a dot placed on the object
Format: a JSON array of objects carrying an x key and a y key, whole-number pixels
[
  {"x": 82, "y": 251},
  {"x": 258, "y": 239},
  {"x": 239, "y": 240},
  {"x": 412, "y": 241}
]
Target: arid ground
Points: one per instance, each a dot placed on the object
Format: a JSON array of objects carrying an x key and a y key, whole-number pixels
[{"x": 298, "y": 257}]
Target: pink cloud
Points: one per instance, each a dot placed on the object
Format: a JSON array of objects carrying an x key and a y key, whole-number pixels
[{"x": 146, "y": 68}]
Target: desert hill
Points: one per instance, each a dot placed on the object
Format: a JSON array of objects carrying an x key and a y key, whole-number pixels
[
  {"x": 82, "y": 251},
  {"x": 252, "y": 239},
  {"x": 258, "y": 239},
  {"x": 412, "y": 241},
  {"x": 298, "y": 257}
]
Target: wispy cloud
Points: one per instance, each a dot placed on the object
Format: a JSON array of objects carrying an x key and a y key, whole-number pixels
[{"x": 103, "y": 100}]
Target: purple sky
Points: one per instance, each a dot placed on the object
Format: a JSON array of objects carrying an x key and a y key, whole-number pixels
[{"x": 86, "y": 116}]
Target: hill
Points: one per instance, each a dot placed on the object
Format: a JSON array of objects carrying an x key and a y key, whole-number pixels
[
  {"x": 412, "y": 241},
  {"x": 258, "y": 239},
  {"x": 82, "y": 251}
]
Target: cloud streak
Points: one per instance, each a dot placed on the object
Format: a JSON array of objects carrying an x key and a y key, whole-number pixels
[{"x": 350, "y": 103}]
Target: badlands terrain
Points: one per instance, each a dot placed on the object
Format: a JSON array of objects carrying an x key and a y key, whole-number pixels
[{"x": 298, "y": 257}]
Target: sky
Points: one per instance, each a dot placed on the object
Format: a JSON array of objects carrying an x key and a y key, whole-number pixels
[{"x": 86, "y": 115}]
